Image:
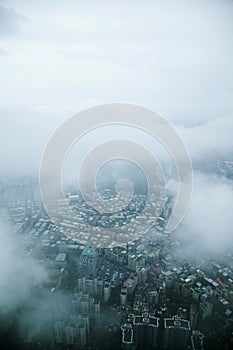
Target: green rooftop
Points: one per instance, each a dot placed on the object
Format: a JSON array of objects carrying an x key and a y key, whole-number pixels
[{"x": 89, "y": 251}]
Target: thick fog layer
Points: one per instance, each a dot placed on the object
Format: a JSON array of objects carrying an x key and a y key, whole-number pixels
[
  {"x": 208, "y": 223},
  {"x": 20, "y": 274}
]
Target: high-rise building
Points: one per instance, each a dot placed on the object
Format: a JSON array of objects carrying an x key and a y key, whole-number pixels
[
  {"x": 197, "y": 340},
  {"x": 132, "y": 262},
  {"x": 152, "y": 297},
  {"x": 107, "y": 291},
  {"x": 142, "y": 274},
  {"x": 127, "y": 341},
  {"x": 193, "y": 315},
  {"x": 176, "y": 333},
  {"x": 82, "y": 335},
  {"x": 123, "y": 296},
  {"x": 72, "y": 333},
  {"x": 85, "y": 305},
  {"x": 146, "y": 331},
  {"x": 99, "y": 287},
  {"x": 94, "y": 309},
  {"x": 135, "y": 260},
  {"x": 131, "y": 283},
  {"x": 162, "y": 295},
  {"x": 87, "y": 262},
  {"x": 206, "y": 309}
]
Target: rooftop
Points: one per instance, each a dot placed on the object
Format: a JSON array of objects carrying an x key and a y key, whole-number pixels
[
  {"x": 127, "y": 336},
  {"x": 176, "y": 322},
  {"x": 88, "y": 251},
  {"x": 61, "y": 257}
]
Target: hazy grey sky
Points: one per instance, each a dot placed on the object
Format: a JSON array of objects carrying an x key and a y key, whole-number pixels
[{"x": 57, "y": 58}]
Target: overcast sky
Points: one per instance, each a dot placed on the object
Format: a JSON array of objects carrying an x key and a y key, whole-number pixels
[{"x": 59, "y": 57}]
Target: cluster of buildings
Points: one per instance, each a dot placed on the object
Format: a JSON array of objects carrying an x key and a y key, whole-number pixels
[
  {"x": 162, "y": 299},
  {"x": 73, "y": 329},
  {"x": 146, "y": 331}
]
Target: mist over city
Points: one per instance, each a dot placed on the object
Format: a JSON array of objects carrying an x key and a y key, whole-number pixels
[{"x": 88, "y": 258}]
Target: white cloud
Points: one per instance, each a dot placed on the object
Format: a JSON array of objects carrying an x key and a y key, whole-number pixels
[
  {"x": 19, "y": 273},
  {"x": 208, "y": 223}
]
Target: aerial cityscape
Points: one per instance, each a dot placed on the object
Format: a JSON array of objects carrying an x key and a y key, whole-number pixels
[
  {"x": 116, "y": 175},
  {"x": 157, "y": 292}
]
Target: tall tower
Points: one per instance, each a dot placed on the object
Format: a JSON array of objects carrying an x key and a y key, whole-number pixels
[
  {"x": 107, "y": 291},
  {"x": 146, "y": 331},
  {"x": 127, "y": 342},
  {"x": 193, "y": 315},
  {"x": 176, "y": 333}
]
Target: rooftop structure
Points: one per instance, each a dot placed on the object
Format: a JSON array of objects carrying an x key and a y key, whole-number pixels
[
  {"x": 61, "y": 257},
  {"x": 88, "y": 252},
  {"x": 176, "y": 322},
  {"x": 127, "y": 333},
  {"x": 176, "y": 333}
]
